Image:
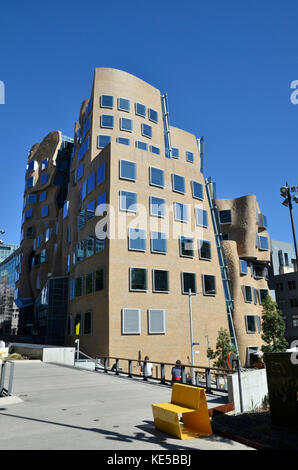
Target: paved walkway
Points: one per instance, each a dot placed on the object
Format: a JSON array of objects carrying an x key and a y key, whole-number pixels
[{"x": 72, "y": 409}]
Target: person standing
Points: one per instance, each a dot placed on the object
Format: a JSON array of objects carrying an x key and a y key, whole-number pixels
[
  {"x": 176, "y": 372},
  {"x": 146, "y": 368}
]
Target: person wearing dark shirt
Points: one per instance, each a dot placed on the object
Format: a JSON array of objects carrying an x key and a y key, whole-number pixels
[{"x": 176, "y": 372}]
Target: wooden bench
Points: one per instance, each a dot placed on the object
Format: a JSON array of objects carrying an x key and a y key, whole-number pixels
[{"x": 191, "y": 403}]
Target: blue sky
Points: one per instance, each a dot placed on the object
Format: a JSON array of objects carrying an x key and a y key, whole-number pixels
[{"x": 226, "y": 65}]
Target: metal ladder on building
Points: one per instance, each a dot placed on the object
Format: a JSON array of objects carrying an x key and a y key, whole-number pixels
[{"x": 211, "y": 195}]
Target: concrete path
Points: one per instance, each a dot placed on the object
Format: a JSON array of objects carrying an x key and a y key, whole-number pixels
[{"x": 71, "y": 409}]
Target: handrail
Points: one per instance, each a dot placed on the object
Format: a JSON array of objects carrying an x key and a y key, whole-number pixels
[{"x": 205, "y": 371}]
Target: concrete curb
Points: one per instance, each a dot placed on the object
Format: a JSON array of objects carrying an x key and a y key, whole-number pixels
[{"x": 239, "y": 439}]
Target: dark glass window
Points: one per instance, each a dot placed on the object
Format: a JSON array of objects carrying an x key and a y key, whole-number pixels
[
  {"x": 160, "y": 280},
  {"x": 89, "y": 283},
  {"x": 209, "y": 284},
  {"x": 138, "y": 279},
  {"x": 204, "y": 249},
  {"x": 87, "y": 323},
  {"x": 225, "y": 217},
  {"x": 101, "y": 173},
  {"x": 186, "y": 247},
  {"x": 99, "y": 280},
  {"x": 189, "y": 282}
]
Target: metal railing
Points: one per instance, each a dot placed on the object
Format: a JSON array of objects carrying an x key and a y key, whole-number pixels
[
  {"x": 211, "y": 378},
  {"x": 4, "y": 392}
]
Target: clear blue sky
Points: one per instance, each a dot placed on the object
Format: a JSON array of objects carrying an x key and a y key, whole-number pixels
[{"x": 226, "y": 66}]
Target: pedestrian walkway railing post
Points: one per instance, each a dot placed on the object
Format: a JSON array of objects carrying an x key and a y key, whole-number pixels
[
  {"x": 117, "y": 366},
  {"x": 2, "y": 378},
  {"x": 130, "y": 368},
  {"x": 208, "y": 380},
  {"x": 183, "y": 375},
  {"x": 106, "y": 364},
  {"x": 11, "y": 374},
  {"x": 162, "y": 374}
]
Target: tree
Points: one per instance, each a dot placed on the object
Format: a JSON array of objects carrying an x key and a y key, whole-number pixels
[
  {"x": 223, "y": 348},
  {"x": 273, "y": 327}
]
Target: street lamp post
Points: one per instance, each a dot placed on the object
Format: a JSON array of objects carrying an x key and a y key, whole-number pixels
[
  {"x": 192, "y": 344},
  {"x": 285, "y": 192}
]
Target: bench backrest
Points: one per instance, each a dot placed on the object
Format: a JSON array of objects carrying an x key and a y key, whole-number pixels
[{"x": 185, "y": 395}]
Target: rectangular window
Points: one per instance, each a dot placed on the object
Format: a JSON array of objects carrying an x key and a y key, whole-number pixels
[
  {"x": 181, "y": 212},
  {"x": 243, "y": 266},
  {"x": 99, "y": 245},
  {"x": 43, "y": 196},
  {"x": 90, "y": 246},
  {"x": 175, "y": 152},
  {"x": 103, "y": 141},
  {"x": 156, "y": 321},
  {"x": 262, "y": 220},
  {"x": 131, "y": 321},
  {"x": 84, "y": 190},
  {"x": 263, "y": 294},
  {"x": 123, "y": 104},
  {"x": 209, "y": 284},
  {"x": 292, "y": 284},
  {"x": 79, "y": 287},
  {"x": 128, "y": 201},
  {"x": 201, "y": 217},
  {"x": 99, "y": 280},
  {"x": 107, "y": 121},
  {"x": 90, "y": 212},
  {"x": 128, "y": 170},
  {"x": 87, "y": 323},
  {"x": 250, "y": 321},
  {"x": 152, "y": 115},
  {"x": 141, "y": 145},
  {"x": 65, "y": 209},
  {"x": 90, "y": 183},
  {"x": 123, "y": 140},
  {"x": 136, "y": 239},
  {"x": 81, "y": 219},
  {"x": 197, "y": 190},
  {"x": 30, "y": 182},
  {"x": 157, "y": 206},
  {"x": 89, "y": 283},
  {"x": 225, "y": 217},
  {"x": 101, "y": 204},
  {"x": 204, "y": 249},
  {"x": 154, "y": 149},
  {"x": 80, "y": 171},
  {"x": 178, "y": 183},
  {"x": 32, "y": 198},
  {"x": 293, "y": 302},
  {"x": 28, "y": 214},
  {"x": 156, "y": 177},
  {"x": 101, "y": 172},
  {"x": 263, "y": 243},
  {"x": 160, "y": 280},
  {"x": 44, "y": 211},
  {"x": 189, "y": 157},
  {"x": 83, "y": 149},
  {"x": 247, "y": 293},
  {"x": 146, "y": 130},
  {"x": 126, "y": 124},
  {"x": 78, "y": 324},
  {"x": 186, "y": 247},
  {"x": 44, "y": 178},
  {"x": 158, "y": 242},
  {"x": 189, "y": 282},
  {"x": 138, "y": 279},
  {"x": 44, "y": 164},
  {"x": 140, "y": 109},
  {"x": 107, "y": 101},
  {"x": 69, "y": 325}
]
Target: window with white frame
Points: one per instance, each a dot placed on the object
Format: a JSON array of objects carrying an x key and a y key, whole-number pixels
[
  {"x": 188, "y": 283},
  {"x": 123, "y": 104},
  {"x": 204, "y": 249},
  {"x": 107, "y": 121},
  {"x": 180, "y": 212},
  {"x": 136, "y": 239},
  {"x": 107, "y": 101},
  {"x": 201, "y": 217},
  {"x": 131, "y": 321},
  {"x": 128, "y": 201},
  {"x": 178, "y": 183},
  {"x": 156, "y": 177},
  {"x": 197, "y": 190},
  {"x": 209, "y": 284},
  {"x": 138, "y": 279},
  {"x": 160, "y": 278},
  {"x": 126, "y": 124},
  {"x": 158, "y": 242},
  {"x": 157, "y": 206},
  {"x": 156, "y": 321},
  {"x": 128, "y": 170},
  {"x": 186, "y": 246}
]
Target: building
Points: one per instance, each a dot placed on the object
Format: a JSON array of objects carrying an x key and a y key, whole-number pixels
[
  {"x": 6, "y": 250},
  {"x": 8, "y": 309},
  {"x": 283, "y": 279},
  {"x": 131, "y": 236},
  {"x": 41, "y": 256},
  {"x": 246, "y": 245}
]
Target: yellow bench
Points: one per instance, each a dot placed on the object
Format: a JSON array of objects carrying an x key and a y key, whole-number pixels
[{"x": 191, "y": 403}]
